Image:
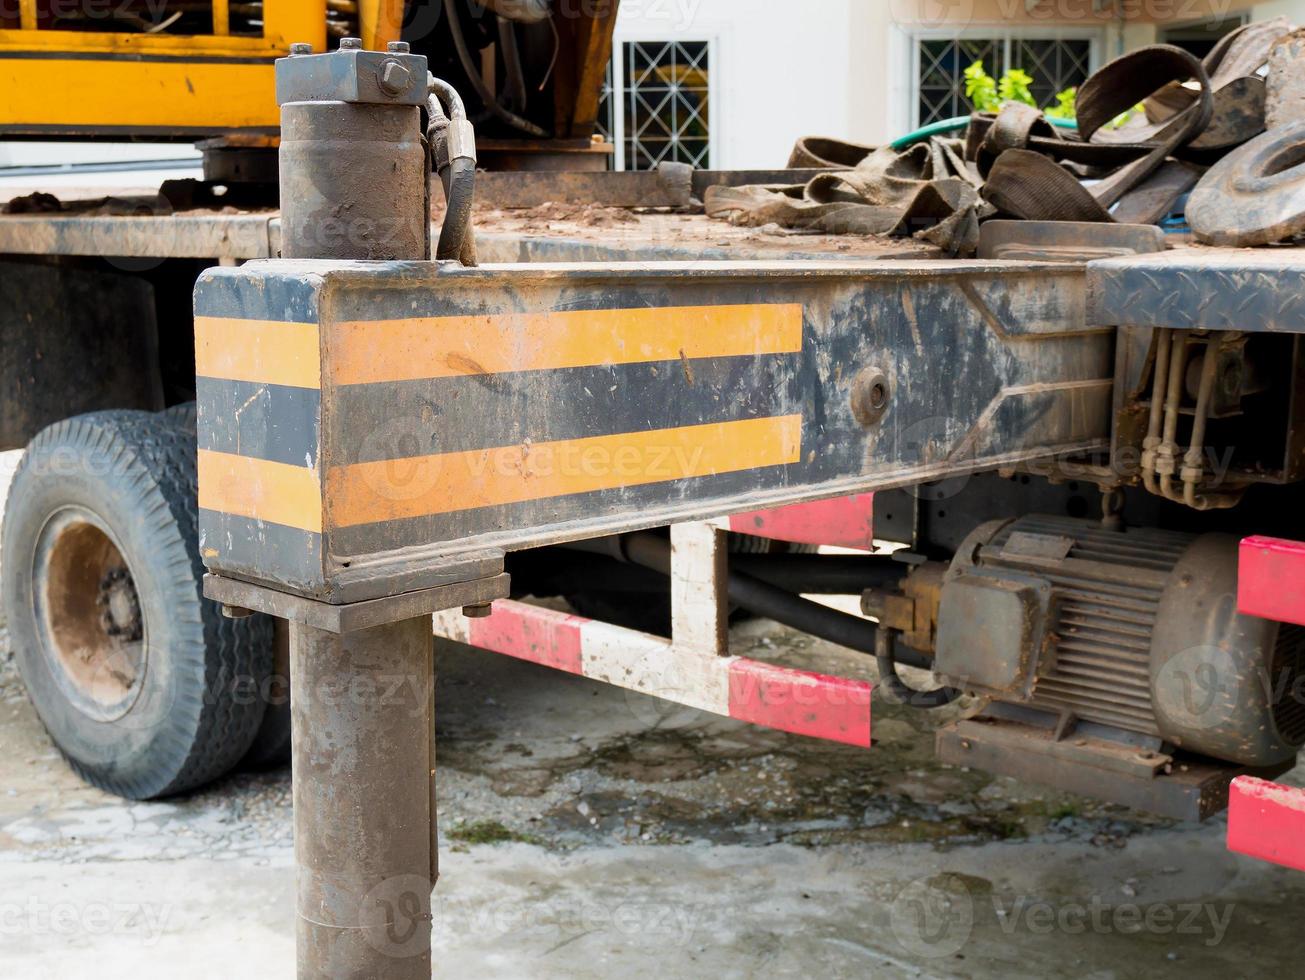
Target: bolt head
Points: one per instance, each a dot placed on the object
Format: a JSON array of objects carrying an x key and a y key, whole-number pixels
[
  {"x": 398, "y": 47},
  {"x": 871, "y": 393},
  {"x": 301, "y": 47},
  {"x": 395, "y": 78},
  {"x": 350, "y": 44}
]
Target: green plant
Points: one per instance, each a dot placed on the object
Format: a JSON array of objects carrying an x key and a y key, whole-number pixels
[
  {"x": 1014, "y": 87},
  {"x": 981, "y": 89},
  {"x": 987, "y": 94},
  {"x": 1065, "y": 106}
]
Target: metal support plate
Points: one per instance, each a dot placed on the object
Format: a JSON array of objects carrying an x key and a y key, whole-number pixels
[
  {"x": 1196, "y": 788},
  {"x": 363, "y": 426},
  {"x": 1200, "y": 289}
]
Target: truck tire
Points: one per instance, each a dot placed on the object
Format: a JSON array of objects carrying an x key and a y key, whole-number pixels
[
  {"x": 142, "y": 683},
  {"x": 271, "y": 746},
  {"x": 184, "y": 416}
]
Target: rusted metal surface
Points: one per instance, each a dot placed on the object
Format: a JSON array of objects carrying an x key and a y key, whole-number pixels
[
  {"x": 353, "y": 164},
  {"x": 354, "y": 75},
  {"x": 433, "y": 417},
  {"x": 1181, "y": 787},
  {"x": 1243, "y": 298},
  {"x": 485, "y": 583},
  {"x": 363, "y": 769},
  {"x": 149, "y": 234},
  {"x": 353, "y": 182},
  {"x": 1128, "y": 631},
  {"x": 72, "y": 340}
]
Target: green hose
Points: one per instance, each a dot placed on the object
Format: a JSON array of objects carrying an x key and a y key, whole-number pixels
[{"x": 951, "y": 125}]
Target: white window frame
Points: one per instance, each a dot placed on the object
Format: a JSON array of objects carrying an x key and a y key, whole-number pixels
[
  {"x": 619, "y": 42},
  {"x": 1007, "y": 36}
]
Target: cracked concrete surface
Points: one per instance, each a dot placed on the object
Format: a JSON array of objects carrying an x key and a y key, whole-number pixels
[{"x": 588, "y": 832}]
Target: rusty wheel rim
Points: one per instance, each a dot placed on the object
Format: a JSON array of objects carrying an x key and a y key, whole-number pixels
[{"x": 88, "y": 614}]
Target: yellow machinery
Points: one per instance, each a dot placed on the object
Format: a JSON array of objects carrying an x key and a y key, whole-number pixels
[{"x": 191, "y": 69}]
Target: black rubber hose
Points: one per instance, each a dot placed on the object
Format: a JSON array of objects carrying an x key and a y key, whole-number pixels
[
  {"x": 459, "y": 179},
  {"x": 775, "y": 603},
  {"x": 477, "y": 82},
  {"x": 887, "y": 657},
  {"x": 822, "y": 574},
  {"x": 516, "y": 76}
]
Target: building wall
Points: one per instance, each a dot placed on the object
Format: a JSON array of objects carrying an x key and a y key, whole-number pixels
[
  {"x": 779, "y": 70},
  {"x": 844, "y": 67}
]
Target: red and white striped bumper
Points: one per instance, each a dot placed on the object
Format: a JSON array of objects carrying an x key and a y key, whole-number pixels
[{"x": 832, "y": 708}]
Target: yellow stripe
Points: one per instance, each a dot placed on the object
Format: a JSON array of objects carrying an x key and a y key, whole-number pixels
[
  {"x": 260, "y": 490},
  {"x": 444, "y": 347},
  {"x": 262, "y": 351},
  {"x": 366, "y": 493}
]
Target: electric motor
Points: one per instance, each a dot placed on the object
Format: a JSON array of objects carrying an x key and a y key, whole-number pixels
[{"x": 1133, "y": 630}]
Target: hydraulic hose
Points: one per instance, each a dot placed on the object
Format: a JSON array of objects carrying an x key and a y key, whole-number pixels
[
  {"x": 477, "y": 82},
  {"x": 895, "y": 689},
  {"x": 453, "y": 147},
  {"x": 775, "y": 603},
  {"x": 459, "y": 180}
]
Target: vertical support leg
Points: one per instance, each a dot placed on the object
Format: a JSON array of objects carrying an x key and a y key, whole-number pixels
[
  {"x": 363, "y": 799},
  {"x": 699, "y": 588}
]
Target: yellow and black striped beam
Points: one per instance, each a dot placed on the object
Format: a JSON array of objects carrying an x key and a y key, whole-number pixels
[{"x": 369, "y": 412}]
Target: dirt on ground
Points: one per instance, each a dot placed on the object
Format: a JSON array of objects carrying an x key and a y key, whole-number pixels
[{"x": 589, "y": 832}]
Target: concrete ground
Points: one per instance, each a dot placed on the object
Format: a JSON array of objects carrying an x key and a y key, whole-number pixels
[{"x": 588, "y": 832}]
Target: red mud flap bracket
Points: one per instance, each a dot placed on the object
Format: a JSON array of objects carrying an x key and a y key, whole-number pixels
[
  {"x": 1267, "y": 821},
  {"x": 694, "y": 668},
  {"x": 845, "y": 522},
  {"x": 833, "y": 708},
  {"x": 1271, "y": 579}
]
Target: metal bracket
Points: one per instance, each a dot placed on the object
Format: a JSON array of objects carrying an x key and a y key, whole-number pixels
[
  {"x": 238, "y": 595},
  {"x": 352, "y": 75}
]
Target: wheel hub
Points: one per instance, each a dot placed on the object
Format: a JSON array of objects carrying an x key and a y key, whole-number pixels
[
  {"x": 120, "y": 606},
  {"x": 89, "y": 618}
]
